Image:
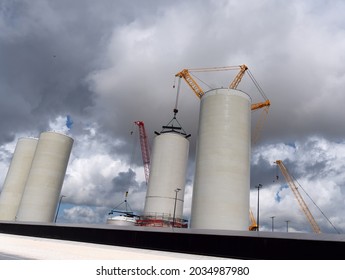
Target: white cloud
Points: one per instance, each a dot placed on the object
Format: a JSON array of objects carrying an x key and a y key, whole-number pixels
[
  {"x": 187, "y": 205},
  {"x": 59, "y": 124}
]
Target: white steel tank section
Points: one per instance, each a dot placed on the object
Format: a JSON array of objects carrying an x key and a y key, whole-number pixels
[
  {"x": 167, "y": 174},
  {"x": 16, "y": 177},
  {"x": 46, "y": 177},
  {"x": 222, "y": 173}
]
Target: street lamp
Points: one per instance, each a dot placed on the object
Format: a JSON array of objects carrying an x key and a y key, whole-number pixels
[
  {"x": 57, "y": 212},
  {"x": 176, "y": 191},
  {"x": 258, "y": 210},
  {"x": 272, "y": 222}
]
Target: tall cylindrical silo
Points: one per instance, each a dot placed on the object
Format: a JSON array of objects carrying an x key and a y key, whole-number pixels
[
  {"x": 16, "y": 177},
  {"x": 165, "y": 192},
  {"x": 222, "y": 172},
  {"x": 43, "y": 187}
]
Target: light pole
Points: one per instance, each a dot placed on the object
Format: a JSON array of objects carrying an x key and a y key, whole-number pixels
[
  {"x": 57, "y": 212},
  {"x": 176, "y": 191},
  {"x": 272, "y": 222},
  {"x": 287, "y": 225},
  {"x": 258, "y": 208}
]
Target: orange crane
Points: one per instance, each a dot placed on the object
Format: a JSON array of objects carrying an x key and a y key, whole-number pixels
[
  {"x": 145, "y": 151},
  {"x": 303, "y": 205},
  {"x": 199, "y": 92},
  {"x": 253, "y": 226}
]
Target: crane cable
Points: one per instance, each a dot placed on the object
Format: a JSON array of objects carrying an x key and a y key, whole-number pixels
[
  {"x": 177, "y": 94},
  {"x": 201, "y": 81},
  {"x": 315, "y": 204},
  {"x": 257, "y": 84},
  {"x": 264, "y": 113},
  {"x": 127, "y": 206}
]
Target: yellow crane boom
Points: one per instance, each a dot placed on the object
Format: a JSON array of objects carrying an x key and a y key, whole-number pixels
[
  {"x": 191, "y": 82},
  {"x": 199, "y": 92},
  {"x": 298, "y": 196},
  {"x": 253, "y": 224},
  {"x": 259, "y": 105},
  {"x": 239, "y": 76}
]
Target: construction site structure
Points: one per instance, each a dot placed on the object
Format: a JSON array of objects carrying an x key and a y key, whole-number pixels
[
  {"x": 186, "y": 74},
  {"x": 16, "y": 177},
  {"x": 165, "y": 193},
  {"x": 199, "y": 92},
  {"x": 291, "y": 182},
  {"x": 161, "y": 220},
  {"x": 221, "y": 182},
  {"x": 44, "y": 182},
  {"x": 222, "y": 169},
  {"x": 167, "y": 174}
]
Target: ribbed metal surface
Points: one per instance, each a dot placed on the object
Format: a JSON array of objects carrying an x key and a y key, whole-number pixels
[
  {"x": 222, "y": 174},
  {"x": 167, "y": 173},
  {"x": 16, "y": 177},
  {"x": 46, "y": 177}
]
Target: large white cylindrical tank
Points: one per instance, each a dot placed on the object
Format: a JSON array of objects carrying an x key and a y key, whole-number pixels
[
  {"x": 222, "y": 172},
  {"x": 16, "y": 177},
  {"x": 43, "y": 187},
  {"x": 167, "y": 174}
]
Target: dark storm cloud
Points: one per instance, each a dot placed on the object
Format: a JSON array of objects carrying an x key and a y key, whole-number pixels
[
  {"x": 47, "y": 51},
  {"x": 263, "y": 172},
  {"x": 43, "y": 67},
  {"x": 124, "y": 181},
  {"x": 57, "y": 54},
  {"x": 266, "y": 172},
  {"x": 137, "y": 82}
]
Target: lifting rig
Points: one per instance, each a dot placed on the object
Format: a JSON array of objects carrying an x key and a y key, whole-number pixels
[{"x": 298, "y": 196}]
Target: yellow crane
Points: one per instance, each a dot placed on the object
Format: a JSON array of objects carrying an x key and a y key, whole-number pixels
[
  {"x": 298, "y": 196},
  {"x": 253, "y": 224},
  {"x": 199, "y": 92}
]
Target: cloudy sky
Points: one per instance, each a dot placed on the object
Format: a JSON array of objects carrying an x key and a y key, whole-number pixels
[{"x": 109, "y": 63}]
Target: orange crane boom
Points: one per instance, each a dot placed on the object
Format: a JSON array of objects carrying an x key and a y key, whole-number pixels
[
  {"x": 199, "y": 92},
  {"x": 253, "y": 224},
  {"x": 144, "y": 149},
  {"x": 191, "y": 82},
  {"x": 298, "y": 196},
  {"x": 259, "y": 105}
]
